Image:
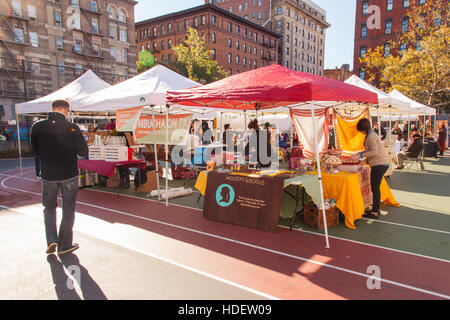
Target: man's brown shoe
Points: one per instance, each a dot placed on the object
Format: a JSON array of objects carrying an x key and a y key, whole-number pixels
[
  {"x": 74, "y": 247},
  {"x": 51, "y": 248}
]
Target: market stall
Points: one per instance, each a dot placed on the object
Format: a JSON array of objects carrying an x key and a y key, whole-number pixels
[
  {"x": 267, "y": 88},
  {"x": 86, "y": 84}
]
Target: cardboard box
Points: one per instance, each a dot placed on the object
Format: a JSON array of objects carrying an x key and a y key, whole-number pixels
[{"x": 151, "y": 183}]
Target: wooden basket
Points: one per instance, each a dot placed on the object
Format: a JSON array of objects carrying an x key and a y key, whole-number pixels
[{"x": 314, "y": 217}]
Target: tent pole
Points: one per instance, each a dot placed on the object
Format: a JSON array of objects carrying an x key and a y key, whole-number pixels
[
  {"x": 20, "y": 147},
  {"x": 319, "y": 173},
  {"x": 156, "y": 153},
  {"x": 335, "y": 129},
  {"x": 409, "y": 125},
  {"x": 167, "y": 154},
  {"x": 245, "y": 135}
]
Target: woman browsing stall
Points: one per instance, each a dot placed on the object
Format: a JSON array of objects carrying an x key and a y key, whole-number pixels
[{"x": 378, "y": 162}]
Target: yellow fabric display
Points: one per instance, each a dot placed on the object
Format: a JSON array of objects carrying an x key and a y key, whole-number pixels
[{"x": 351, "y": 140}]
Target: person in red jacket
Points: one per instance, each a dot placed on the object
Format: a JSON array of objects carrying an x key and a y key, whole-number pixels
[{"x": 442, "y": 138}]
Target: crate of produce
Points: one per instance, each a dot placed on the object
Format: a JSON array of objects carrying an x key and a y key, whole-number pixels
[
  {"x": 97, "y": 153},
  {"x": 314, "y": 217}
]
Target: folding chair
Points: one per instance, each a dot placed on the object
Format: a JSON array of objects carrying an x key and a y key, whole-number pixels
[{"x": 408, "y": 163}]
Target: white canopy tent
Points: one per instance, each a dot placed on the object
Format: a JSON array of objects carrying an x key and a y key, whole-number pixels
[
  {"x": 88, "y": 83},
  {"x": 145, "y": 89},
  {"x": 415, "y": 106}
]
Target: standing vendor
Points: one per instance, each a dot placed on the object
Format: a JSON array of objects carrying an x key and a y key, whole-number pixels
[{"x": 378, "y": 162}]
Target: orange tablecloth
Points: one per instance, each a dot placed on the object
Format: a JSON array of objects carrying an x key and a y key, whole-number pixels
[{"x": 345, "y": 189}]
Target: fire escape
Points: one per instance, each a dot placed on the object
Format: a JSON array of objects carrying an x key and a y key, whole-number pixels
[
  {"x": 13, "y": 68},
  {"x": 94, "y": 53}
]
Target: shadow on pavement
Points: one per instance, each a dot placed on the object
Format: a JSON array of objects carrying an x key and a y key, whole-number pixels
[{"x": 64, "y": 285}]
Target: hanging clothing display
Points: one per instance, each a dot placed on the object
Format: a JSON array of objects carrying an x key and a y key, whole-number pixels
[
  {"x": 303, "y": 123},
  {"x": 350, "y": 139}
]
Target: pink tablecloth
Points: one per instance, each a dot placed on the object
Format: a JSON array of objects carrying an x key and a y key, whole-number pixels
[{"x": 106, "y": 168}]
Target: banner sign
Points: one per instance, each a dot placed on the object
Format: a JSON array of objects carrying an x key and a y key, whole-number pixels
[
  {"x": 178, "y": 126},
  {"x": 126, "y": 119},
  {"x": 242, "y": 200}
]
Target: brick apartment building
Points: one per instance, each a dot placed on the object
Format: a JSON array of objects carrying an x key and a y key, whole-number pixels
[
  {"x": 237, "y": 44},
  {"x": 301, "y": 23},
  {"x": 394, "y": 19},
  {"x": 47, "y": 44},
  {"x": 341, "y": 74}
]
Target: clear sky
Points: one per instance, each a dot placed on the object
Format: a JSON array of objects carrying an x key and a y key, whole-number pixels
[{"x": 339, "y": 37}]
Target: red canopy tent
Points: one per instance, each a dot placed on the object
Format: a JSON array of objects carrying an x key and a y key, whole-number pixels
[{"x": 271, "y": 87}]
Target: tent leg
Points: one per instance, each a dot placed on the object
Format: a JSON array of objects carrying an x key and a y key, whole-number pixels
[
  {"x": 319, "y": 173},
  {"x": 167, "y": 155},
  {"x": 156, "y": 154},
  {"x": 19, "y": 144}
]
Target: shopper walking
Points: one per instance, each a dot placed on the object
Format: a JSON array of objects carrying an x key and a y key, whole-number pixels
[
  {"x": 57, "y": 142},
  {"x": 378, "y": 162},
  {"x": 442, "y": 139}
]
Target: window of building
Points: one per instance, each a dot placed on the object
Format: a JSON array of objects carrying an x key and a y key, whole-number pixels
[
  {"x": 259, "y": 15},
  {"x": 229, "y": 57},
  {"x": 169, "y": 44},
  {"x": 405, "y": 22},
  {"x": 363, "y": 31},
  {"x": 123, "y": 35},
  {"x": 237, "y": 45},
  {"x": 75, "y": 2},
  {"x": 288, "y": 12},
  {"x": 34, "y": 39},
  {"x": 362, "y": 52},
  {"x": 122, "y": 15},
  {"x": 259, "y": 3},
  {"x": 112, "y": 32},
  {"x": 390, "y": 5},
  {"x": 365, "y": 7},
  {"x": 61, "y": 68},
  {"x": 213, "y": 37},
  {"x": 238, "y": 29},
  {"x": 361, "y": 74},
  {"x": 59, "y": 43},
  {"x": 230, "y": 27},
  {"x": 94, "y": 26},
  {"x": 32, "y": 11},
  {"x": 112, "y": 13},
  {"x": 19, "y": 34},
  {"x": 78, "y": 69},
  {"x": 93, "y": 5},
  {"x": 229, "y": 43},
  {"x": 16, "y": 8},
  {"x": 213, "y": 20},
  {"x": 403, "y": 48},
  {"x": 163, "y": 46},
  {"x": 388, "y": 28},
  {"x": 387, "y": 49},
  {"x": 405, "y": 3},
  {"x": 214, "y": 54},
  {"x": 57, "y": 18},
  {"x": 77, "y": 46},
  {"x": 237, "y": 59}
]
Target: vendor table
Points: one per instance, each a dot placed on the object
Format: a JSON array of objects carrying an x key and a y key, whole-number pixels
[
  {"x": 107, "y": 168},
  {"x": 344, "y": 187},
  {"x": 346, "y": 190},
  {"x": 248, "y": 203}
]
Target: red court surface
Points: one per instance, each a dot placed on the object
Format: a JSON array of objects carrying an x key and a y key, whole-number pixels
[{"x": 284, "y": 265}]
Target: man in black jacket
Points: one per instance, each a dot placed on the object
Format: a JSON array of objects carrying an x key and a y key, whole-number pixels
[
  {"x": 58, "y": 142},
  {"x": 412, "y": 152}
]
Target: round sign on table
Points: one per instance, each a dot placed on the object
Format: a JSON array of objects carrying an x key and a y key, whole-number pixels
[
  {"x": 225, "y": 195},
  {"x": 146, "y": 58}
]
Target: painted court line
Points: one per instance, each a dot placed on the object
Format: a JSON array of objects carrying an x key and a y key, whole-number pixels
[
  {"x": 298, "y": 230},
  {"x": 208, "y": 275},
  {"x": 398, "y": 284}
]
